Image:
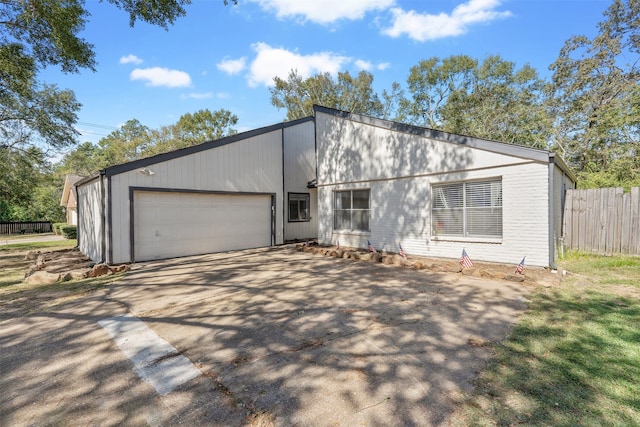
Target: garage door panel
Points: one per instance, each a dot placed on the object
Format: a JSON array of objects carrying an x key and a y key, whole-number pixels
[{"x": 178, "y": 224}]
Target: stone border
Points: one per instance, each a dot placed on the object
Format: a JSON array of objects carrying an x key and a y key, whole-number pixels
[
  {"x": 419, "y": 263},
  {"x": 66, "y": 264}
]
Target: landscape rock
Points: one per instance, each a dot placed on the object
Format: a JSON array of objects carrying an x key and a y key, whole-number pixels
[
  {"x": 119, "y": 268},
  {"x": 487, "y": 274},
  {"x": 43, "y": 278},
  {"x": 449, "y": 267},
  {"x": 77, "y": 274},
  {"x": 365, "y": 257},
  {"x": 514, "y": 277},
  {"x": 387, "y": 259},
  {"x": 98, "y": 270},
  {"x": 30, "y": 271},
  {"x": 468, "y": 271},
  {"x": 31, "y": 255}
]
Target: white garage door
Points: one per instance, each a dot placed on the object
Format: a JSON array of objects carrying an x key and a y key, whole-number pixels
[{"x": 168, "y": 225}]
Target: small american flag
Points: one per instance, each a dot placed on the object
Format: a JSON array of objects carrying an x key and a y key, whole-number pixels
[
  {"x": 307, "y": 243},
  {"x": 338, "y": 245},
  {"x": 520, "y": 267},
  {"x": 465, "y": 260},
  {"x": 402, "y": 254},
  {"x": 371, "y": 248}
]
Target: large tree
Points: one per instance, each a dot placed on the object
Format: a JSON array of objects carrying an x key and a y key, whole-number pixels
[
  {"x": 595, "y": 93},
  {"x": 353, "y": 94},
  {"x": 193, "y": 129},
  {"x": 35, "y": 34},
  {"x": 489, "y": 99},
  {"x": 134, "y": 141}
]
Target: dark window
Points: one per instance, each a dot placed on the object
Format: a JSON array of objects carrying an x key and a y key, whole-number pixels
[
  {"x": 299, "y": 207},
  {"x": 467, "y": 209},
  {"x": 351, "y": 210}
]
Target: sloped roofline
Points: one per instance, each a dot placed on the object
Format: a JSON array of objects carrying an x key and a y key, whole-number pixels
[
  {"x": 158, "y": 158},
  {"x": 478, "y": 143},
  {"x": 70, "y": 181}
]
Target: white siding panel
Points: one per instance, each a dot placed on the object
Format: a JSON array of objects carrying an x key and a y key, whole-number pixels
[
  {"x": 250, "y": 165},
  {"x": 299, "y": 169},
  {"x": 350, "y": 151},
  {"x": 90, "y": 220}
]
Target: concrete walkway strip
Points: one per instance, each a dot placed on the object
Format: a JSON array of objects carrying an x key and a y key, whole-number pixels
[{"x": 155, "y": 360}]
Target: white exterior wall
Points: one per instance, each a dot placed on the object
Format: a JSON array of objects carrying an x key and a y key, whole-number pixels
[
  {"x": 400, "y": 168},
  {"x": 250, "y": 165},
  {"x": 299, "y": 169},
  {"x": 90, "y": 220}
]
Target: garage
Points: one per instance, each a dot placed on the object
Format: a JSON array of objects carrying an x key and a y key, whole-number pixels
[{"x": 171, "y": 224}]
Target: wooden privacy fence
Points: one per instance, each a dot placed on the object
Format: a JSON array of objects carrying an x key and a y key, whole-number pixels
[
  {"x": 602, "y": 220},
  {"x": 25, "y": 227}
]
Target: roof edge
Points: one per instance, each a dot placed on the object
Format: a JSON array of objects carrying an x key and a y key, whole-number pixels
[
  {"x": 89, "y": 178},
  {"x": 483, "y": 144},
  {"x": 170, "y": 155}
]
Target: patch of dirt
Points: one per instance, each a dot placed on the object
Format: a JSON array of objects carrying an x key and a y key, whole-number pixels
[{"x": 624, "y": 291}]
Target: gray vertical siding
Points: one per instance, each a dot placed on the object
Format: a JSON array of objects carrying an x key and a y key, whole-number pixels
[
  {"x": 299, "y": 170},
  {"x": 251, "y": 165},
  {"x": 91, "y": 219}
]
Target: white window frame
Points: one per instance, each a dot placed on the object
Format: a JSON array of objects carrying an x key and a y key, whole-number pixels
[
  {"x": 351, "y": 210},
  {"x": 303, "y": 215},
  {"x": 464, "y": 214}
]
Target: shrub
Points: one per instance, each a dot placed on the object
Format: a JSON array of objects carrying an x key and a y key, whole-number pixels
[
  {"x": 56, "y": 227},
  {"x": 69, "y": 231}
]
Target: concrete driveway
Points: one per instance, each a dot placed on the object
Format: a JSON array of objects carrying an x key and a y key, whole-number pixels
[{"x": 280, "y": 337}]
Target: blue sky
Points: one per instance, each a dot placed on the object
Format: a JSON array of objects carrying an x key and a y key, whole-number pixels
[{"x": 226, "y": 56}]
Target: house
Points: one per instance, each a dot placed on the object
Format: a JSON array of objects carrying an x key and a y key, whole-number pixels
[
  {"x": 436, "y": 193},
  {"x": 69, "y": 200},
  {"x": 243, "y": 191},
  {"x": 336, "y": 176}
]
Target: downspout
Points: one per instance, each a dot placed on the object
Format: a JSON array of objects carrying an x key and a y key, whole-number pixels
[
  {"x": 284, "y": 196},
  {"x": 552, "y": 228}
]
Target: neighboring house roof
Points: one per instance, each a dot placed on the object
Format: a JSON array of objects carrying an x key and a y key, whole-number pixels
[
  {"x": 68, "y": 192},
  {"x": 479, "y": 143}
]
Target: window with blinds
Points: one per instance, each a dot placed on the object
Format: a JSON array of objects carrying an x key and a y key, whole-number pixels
[
  {"x": 467, "y": 209},
  {"x": 351, "y": 210}
]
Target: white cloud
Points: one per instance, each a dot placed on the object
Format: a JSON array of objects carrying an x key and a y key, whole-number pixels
[
  {"x": 363, "y": 65},
  {"x": 157, "y": 76},
  {"x": 130, "y": 59},
  {"x": 232, "y": 66},
  {"x": 425, "y": 26},
  {"x": 204, "y": 95},
  {"x": 383, "y": 66},
  {"x": 271, "y": 62},
  {"x": 323, "y": 11}
]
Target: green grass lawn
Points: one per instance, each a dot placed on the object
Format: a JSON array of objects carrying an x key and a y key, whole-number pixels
[{"x": 574, "y": 358}]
